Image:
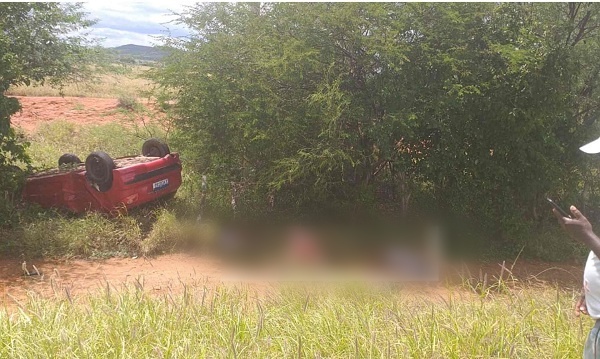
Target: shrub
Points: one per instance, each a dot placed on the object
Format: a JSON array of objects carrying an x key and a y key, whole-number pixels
[{"x": 128, "y": 102}]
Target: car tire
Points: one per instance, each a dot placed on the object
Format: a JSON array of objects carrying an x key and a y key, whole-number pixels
[
  {"x": 69, "y": 159},
  {"x": 98, "y": 170},
  {"x": 155, "y": 147}
]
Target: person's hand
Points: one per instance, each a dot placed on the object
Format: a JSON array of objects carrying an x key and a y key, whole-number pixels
[
  {"x": 578, "y": 227},
  {"x": 580, "y": 306}
]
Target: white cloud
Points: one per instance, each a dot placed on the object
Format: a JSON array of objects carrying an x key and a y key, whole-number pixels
[
  {"x": 137, "y": 23},
  {"x": 114, "y": 38}
]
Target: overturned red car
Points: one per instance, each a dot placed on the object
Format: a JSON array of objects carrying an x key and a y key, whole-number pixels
[{"x": 106, "y": 184}]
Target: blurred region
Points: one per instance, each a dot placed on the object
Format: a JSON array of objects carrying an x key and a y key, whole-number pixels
[{"x": 333, "y": 252}]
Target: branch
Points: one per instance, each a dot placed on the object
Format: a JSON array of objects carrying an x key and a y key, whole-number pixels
[{"x": 582, "y": 29}]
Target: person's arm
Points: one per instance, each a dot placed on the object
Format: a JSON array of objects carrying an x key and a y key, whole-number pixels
[
  {"x": 580, "y": 229},
  {"x": 581, "y": 306}
]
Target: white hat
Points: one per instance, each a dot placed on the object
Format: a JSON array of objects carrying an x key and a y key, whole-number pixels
[{"x": 592, "y": 147}]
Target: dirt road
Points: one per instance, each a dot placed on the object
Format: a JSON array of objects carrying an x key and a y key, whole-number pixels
[
  {"x": 169, "y": 273},
  {"x": 79, "y": 277}
]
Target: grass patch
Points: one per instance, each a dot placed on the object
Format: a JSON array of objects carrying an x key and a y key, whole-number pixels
[
  {"x": 232, "y": 323},
  {"x": 149, "y": 230},
  {"x": 55, "y": 235},
  {"x": 107, "y": 86},
  {"x": 171, "y": 234},
  {"x": 53, "y": 139}
]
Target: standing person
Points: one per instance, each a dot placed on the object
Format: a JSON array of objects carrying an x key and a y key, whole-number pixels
[{"x": 580, "y": 229}]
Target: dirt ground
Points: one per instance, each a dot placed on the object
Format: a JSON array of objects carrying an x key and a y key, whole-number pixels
[
  {"x": 79, "y": 110},
  {"x": 169, "y": 273},
  {"x": 79, "y": 277}
]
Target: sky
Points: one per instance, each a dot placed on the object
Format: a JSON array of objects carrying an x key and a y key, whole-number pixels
[{"x": 127, "y": 22}]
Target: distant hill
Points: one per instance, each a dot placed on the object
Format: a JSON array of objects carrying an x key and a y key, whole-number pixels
[{"x": 139, "y": 52}]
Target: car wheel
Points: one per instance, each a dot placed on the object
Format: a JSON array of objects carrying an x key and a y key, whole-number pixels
[
  {"x": 98, "y": 170},
  {"x": 155, "y": 148},
  {"x": 69, "y": 159}
]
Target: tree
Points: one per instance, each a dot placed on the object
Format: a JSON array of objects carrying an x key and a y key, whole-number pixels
[
  {"x": 469, "y": 109},
  {"x": 38, "y": 42}
]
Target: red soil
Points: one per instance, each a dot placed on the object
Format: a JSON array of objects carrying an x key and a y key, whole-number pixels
[
  {"x": 78, "y": 277},
  {"x": 79, "y": 110},
  {"x": 169, "y": 274}
]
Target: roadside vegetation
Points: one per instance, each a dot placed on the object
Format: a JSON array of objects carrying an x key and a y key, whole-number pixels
[
  {"x": 298, "y": 131},
  {"x": 203, "y": 321},
  {"x": 160, "y": 228},
  {"x": 470, "y": 114}
]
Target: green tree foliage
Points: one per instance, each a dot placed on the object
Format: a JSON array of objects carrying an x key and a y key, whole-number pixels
[
  {"x": 472, "y": 109},
  {"x": 37, "y": 44}
]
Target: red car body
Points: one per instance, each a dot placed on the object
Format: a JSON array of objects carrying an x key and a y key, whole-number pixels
[{"x": 136, "y": 180}]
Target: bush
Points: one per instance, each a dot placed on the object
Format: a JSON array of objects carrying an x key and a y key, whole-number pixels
[
  {"x": 128, "y": 102},
  {"x": 325, "y": 125}
]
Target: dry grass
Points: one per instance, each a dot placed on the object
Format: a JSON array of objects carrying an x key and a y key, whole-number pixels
[{"x": 107, "y": 86}]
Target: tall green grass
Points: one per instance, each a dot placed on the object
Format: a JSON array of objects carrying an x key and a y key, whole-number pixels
[{"x": 228, "y": 322}]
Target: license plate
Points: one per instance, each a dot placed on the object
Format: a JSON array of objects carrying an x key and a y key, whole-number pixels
[{"x": 157, "y": 186}]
